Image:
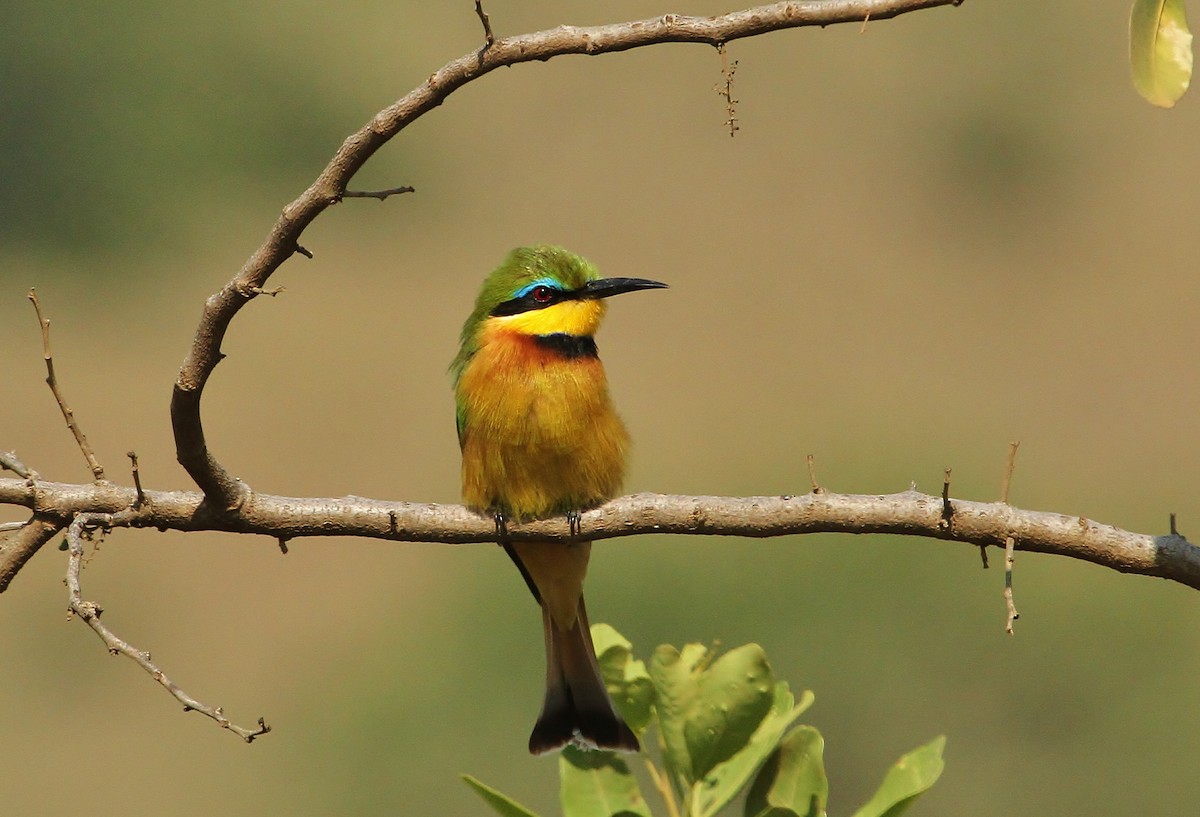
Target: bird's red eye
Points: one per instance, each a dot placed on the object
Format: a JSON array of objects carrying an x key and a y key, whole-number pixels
[{"x": 542, "y": 294}]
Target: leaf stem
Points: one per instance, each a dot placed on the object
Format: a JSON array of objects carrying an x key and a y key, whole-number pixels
[{"x": 664, "y": 788}]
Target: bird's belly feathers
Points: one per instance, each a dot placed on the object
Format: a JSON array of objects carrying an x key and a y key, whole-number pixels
[{"x": 540, "y": 434}]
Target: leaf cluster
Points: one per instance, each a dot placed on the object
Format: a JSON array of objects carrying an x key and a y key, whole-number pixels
[{"x": 725, "y": 727}]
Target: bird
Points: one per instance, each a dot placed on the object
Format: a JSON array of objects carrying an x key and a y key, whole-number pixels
[{"x": 540, "y": 438}]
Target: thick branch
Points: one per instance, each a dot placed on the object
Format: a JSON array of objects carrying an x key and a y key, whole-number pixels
[
  {"x": 18, "y": 548},
  {"x": 910, "y": 513},
  {"x": 192, "y": 451}
]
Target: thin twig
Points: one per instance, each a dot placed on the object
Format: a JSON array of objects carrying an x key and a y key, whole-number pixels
[
  {"x": 664, "y": 788},
  {"x": 488, "y": 36},
  {"x": 6, "y": 527},
  {"x": 137, "y": 479},
  {"x": 1012, "y": 615},
  {"x": 52, "y": 382},
  {"x": 273, "y": 291},
  {"x": 726, "y": 91},
  {"x": 90, "y": 612},
  {"x": 378, "y": 194},
  {"x": 947, "y": 520},
  {"x": 1009, "y": 542},
  {"x": 11, "y": 462},
  {"x": 1009, "y": 465},
  {"x": 812, "y": 475}
]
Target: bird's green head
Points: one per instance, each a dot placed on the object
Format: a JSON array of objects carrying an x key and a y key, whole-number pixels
[{"x": 542, "y": 290}]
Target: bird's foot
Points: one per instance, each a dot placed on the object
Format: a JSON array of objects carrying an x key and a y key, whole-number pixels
[
  {"x": 574, "y": 523},
  {"x": 501, "y": 526}
]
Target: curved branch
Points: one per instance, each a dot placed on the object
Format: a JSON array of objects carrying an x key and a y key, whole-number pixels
[
  {"x": 910, "y": 513},
  {"x": 82, "y": 527},
  {"x": 228, "y": 493}
]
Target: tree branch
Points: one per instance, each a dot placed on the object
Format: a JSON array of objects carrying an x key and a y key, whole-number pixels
[
  {"x": 18, "y": 548},
  {"x": 228, "y": 493},
  {"x": 909, "y": 513},
  {"x": 52, "y": 381},
  {"x": 82, "y": 527}
]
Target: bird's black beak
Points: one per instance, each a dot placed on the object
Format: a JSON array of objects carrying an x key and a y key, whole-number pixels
[{"x": 607, "y": 287}]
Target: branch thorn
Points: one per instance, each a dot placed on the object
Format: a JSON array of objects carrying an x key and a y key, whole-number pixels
[{"x": 137, "y": 479}]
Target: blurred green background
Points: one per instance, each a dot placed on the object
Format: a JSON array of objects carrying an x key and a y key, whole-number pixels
[{"x": 930, "y": 237}]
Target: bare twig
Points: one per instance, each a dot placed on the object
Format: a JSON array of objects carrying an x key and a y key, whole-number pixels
[
  {"x": 1009, "y": 543},
  {"x": 812, "y": 475},
  {"x": 272, "y": 292},
  {"x": 137, "y": 480},
  {"x": 378, "y": 194},
  {"x": 90, "y": 612},
  {"x": 663, "y": 784},
  {"x": 488, "y": 36},
  {"x": 725, "y": 91},
  {"x": 1013, "y": 615},
  {"x": 226, "y": 492},
  {"x": 52, "y": 382},
  {"x": 9, "y": 461},
  {"x": 1009, "y": 465},
  {"x": 947, "y": 506}
]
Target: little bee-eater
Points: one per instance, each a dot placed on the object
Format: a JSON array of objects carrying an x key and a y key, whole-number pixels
[{"x": 540, "y": 437}]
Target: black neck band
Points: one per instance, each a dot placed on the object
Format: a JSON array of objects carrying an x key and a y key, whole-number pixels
[{"x": 569, "y": 346}]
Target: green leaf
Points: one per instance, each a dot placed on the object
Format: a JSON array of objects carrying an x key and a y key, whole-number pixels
[
  {"x": 725, "y": 781},
  {"x": 912, "y": 775},
  {"x": 598, "y": 784},
  {"x": 734, "y": 695},
  {"x": 792, "y": 781},
  {"x": 502, "y": 803},
  {"x": 1160, "y": 50},
  {"x": 676, "y": 687},
  {"x": 628, "y": 682}
]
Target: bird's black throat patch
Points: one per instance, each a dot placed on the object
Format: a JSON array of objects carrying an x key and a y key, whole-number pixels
[{"x": 569, "y": 346}]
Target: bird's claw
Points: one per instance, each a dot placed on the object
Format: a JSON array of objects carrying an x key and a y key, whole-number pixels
[
  {"x": 501, "y": 526},
  {"x": 574, "y": 523}
]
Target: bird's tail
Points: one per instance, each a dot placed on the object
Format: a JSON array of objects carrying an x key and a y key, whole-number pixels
[{"x": 577, "y": 706}]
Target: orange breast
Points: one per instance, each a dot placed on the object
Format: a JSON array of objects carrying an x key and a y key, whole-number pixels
[{"x": 541, "y": 435}]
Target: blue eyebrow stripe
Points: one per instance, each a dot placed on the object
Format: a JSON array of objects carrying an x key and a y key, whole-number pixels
[{"x": 541, "y": 282}]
